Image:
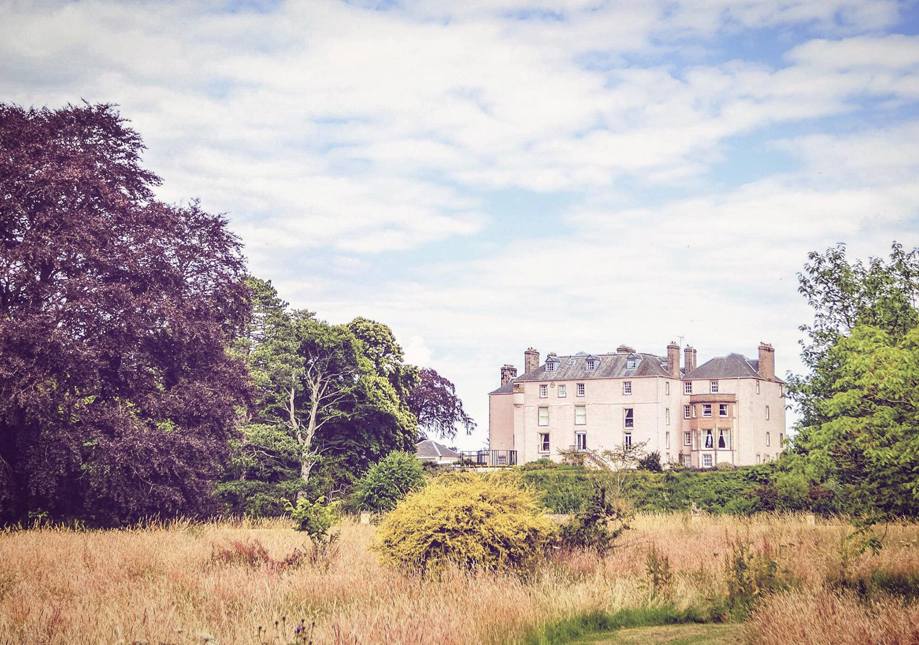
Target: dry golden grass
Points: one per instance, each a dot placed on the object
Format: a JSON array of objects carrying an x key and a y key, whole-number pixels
[{"x": 172, "y": 584}]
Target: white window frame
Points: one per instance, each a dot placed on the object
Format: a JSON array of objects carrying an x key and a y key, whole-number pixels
[
  {"x": 540, "y": 418},
  {"x": 626, "y": 439},
  {"x": 708, "y": 439},
  {"x": 583, "y": 418},
  {"x": 667, "y": 416},
  {"x": 724, "y": 437},
  {"x": 544, "y": 390},
  {"x": 551, "y": 366},
  {"x": 706, "y": 409},
  {"x": 562, "y": 391},
  {"x": 545, "y": 445},
  {"x": 627, "y": 388},
  {"x": 687, "y": 461},
  {"x": 722, "y": 406},
  {"x": 707, "y": 461},
  {"x": 667, "y": 440},
  {"x": 757, "y": 387},
  {"x": 667, "y": 388},
  {"x": 592, "y": 363},
  {"x": 713, "y": 387},
  {"x": 581, "y": 389},
  {"x": 626, "y": 418},
  {"x": 687, "y": 411},
  {"x": 767, "y": 413},
  {"x": 580, "y": 441},
  {"x": 687, "y": 387},
  {"x": 768, "y": 439},
  {"x": 687, "y": 438}
]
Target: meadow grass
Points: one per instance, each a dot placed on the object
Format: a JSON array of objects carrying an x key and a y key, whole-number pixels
[{"x": 244, "y": 582}]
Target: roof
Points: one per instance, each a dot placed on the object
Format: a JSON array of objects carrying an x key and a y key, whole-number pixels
[
  {"x": 430, "y": 449},
  {"x": 730, "y": 366},
  {"x": 507, "y": 388},
  {"x": 571, "y": 368}
]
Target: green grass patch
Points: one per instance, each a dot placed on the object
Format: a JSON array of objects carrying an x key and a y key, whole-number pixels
[{"x": 599, "y": 622}]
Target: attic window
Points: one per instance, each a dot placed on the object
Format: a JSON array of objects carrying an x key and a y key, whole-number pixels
[
  {"x": 631, "y": 363},
  {"x": 591, "y": 363},
  {"x": 551, "y": 366}
]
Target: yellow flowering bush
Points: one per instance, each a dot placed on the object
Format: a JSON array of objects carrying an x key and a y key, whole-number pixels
[{"x": 476, "y": 522}]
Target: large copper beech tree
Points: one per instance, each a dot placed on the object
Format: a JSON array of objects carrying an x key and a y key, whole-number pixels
[{"x": 117, "y": 397}]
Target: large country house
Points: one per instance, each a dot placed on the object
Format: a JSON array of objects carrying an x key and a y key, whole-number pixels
[{"x": 730, "y": 409}]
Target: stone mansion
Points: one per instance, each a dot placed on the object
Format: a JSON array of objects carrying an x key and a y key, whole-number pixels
[{"x": 730, "y": 409}]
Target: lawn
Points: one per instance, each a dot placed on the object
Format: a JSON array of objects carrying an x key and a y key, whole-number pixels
[{"x": 194, "y": 583}]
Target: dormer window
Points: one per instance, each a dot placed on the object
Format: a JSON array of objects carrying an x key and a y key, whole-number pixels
[
  {"x": 592, "y": 363},
  {"x": 551, "y": 366},
  {"x": 631, "y": 363}
]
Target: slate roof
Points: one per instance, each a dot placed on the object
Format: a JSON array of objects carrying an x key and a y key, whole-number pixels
[
  {"x": 730, "y": 366},
  {"x": 507, "y": 388},
  {"x": 571, "y": 368},
  {"x": 430, "y": 449}
]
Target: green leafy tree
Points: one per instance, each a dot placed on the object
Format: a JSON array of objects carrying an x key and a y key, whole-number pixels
[
  {"x": 388, "y": 481},
  {"x": 855, "y": 440}
]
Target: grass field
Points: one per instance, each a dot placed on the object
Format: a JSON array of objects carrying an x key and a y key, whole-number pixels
[{"x": 194, "y": 583}]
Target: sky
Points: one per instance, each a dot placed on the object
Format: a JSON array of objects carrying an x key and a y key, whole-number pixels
[{"x": 489, "y": 176}]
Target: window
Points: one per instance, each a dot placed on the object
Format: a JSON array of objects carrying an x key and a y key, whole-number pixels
[
  {"x": 706, "y": 461},
  {"x": 686, "y": 411},
  {"x": 687, "y": 461},
  {"x": 667, "y": 440},
  {"x": 693, "y": 411},
  {"x": 758, "y": 460},
  {"x": 767, "y": 413},
  {"x": 782, "y": 439},
  {"x": 687, "y": 387},
  {"x": 591, "y": 363},
  {"x": 629, "y": 418},
  {"x": 562, "y": 391},
  {"x": 580, "y": 415},
  {"x": 627, "y": 387},
  {"x": 757, "y": 387},
  {"x": 627, "y": 440},
  {"x": 667, "y": 416},
  {"x": 580, "y": 441},
  {"x": 687, "y": 439},
  {"x": 706, "y": 409},
  {"x": 543, "y": 419},
  {"x": 667, "y": 388},
  {"x": 709, "y": 439},
  {"x": 723, "y": 437},
  {"x": 543, "y": 391},
  {"x": 630, "y": 363},
  {"x": 580, "y": 389},
  {"x": 543, "y": 442},
  {"x": 768, "y": 439},
  {"x": 713, "y": 387},
  {"x": 551, "y": 366},
  {"x": 722, "y": 409}
]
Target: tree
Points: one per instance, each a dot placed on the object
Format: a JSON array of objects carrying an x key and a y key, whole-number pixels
[
  {"x": 435, "y": 404},
  {"x": 388, "y": 481},
  {"x": 868, "y": 446},
  {"x": 117, "y": 395},
  {"x": 856, "y": 420}
]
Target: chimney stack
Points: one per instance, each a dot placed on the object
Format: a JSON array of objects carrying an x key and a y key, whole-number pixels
[
  {"x": 530, "y": 360},
  {"x": 689, "y": 358},
  {"x": 673, "y": 359},
  {"x": 508, "y": 373},
  {"x": 766, "y": 361}
]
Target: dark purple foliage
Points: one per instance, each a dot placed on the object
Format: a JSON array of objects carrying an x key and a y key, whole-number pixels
[
  {"x": 434, "y": 403},
  {"x": 117, "y": 397}
]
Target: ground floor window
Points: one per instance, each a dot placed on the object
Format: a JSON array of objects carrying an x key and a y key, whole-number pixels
[
  {"x": 627, "y": 440},
  {"x": 706, "y": 461},
  {"x": 543, "y": 442},
  {"x": 687, "y": 461},
  {"x": 581, "y": 440},
  {"x": 709, "y": 439},
  {"x": 687, "y": 439},
  {"x": 723, "y": 438}
]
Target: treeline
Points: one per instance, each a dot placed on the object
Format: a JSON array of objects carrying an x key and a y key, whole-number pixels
[{"x": 145, "y": 374}]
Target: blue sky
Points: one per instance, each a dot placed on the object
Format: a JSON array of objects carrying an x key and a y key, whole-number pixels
[{"x": 486, "y": 176}]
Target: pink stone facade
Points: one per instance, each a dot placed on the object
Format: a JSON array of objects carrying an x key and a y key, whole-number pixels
[{"x": 726, "y": 410}]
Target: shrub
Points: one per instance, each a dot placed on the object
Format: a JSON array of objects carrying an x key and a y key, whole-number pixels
[
  {"x": 598, "y": 525},
  {"x": 651, "y": 462},
  {"x": 388, "y": 481},
  {"x": 315, "y": 518},
  {"x": 751, "y": 575},
  {"x": 476, "y": 522},
  {"x": 660, "y": 573}
]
